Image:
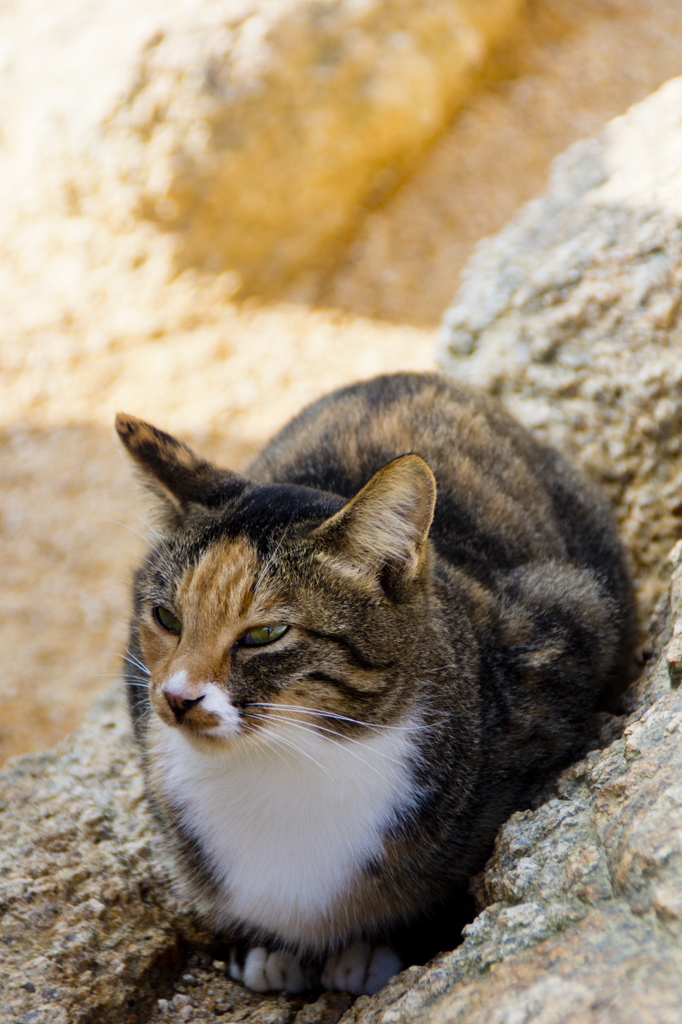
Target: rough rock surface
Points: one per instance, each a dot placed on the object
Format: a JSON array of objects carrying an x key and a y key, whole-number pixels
[
  {"x": 581, "y": 903},
  {"x": 582, "y": 899},
  {"x": 89, "y": 930},
  {"x": 82, "y": 919},
  {"x": 249, "y": 129},
  {"x": 572, "y": 315},
  {"x": 253, "y": 134},
  {"x": 570, "y": 67}
]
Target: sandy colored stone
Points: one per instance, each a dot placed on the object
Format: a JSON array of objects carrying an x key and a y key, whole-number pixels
[
  {"x": 255, "y": 134},
  {"x": 570, "y": 66},
  {"x": 571, "y": 315},
  {"x": 248, "y": 129},
  {"x": 89, "y": 928},
  {"x": 81, "y": 893}
]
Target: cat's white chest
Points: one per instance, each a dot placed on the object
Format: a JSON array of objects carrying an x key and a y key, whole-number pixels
[{"x": 286, "y": 826}]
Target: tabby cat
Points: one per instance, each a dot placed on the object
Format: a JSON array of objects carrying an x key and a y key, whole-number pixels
[{"x": 350, "y": 665}]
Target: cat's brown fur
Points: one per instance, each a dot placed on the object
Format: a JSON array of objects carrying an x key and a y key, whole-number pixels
[{"x": 487, "y": 627}]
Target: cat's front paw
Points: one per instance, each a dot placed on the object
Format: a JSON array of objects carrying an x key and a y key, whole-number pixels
[
  {"x": 264, "y": 971},
  {"x": 360, "y": 969}
]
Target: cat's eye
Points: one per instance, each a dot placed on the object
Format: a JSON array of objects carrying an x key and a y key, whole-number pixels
[
  {"x": 263, "y": 635},
  {"x": 171, "y": 623}
]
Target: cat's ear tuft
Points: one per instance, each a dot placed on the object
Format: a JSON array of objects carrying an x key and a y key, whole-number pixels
[
  {"x": 172, "y": 471},
  {"x": 382, "y": 531}
]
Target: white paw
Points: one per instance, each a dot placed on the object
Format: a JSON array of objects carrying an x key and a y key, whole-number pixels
[
  {"x": 360, "y": 969},
  {"x": 270, "y": 972}
]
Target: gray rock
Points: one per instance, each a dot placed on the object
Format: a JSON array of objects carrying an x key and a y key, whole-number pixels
[
  {"x": 84, "y": 917},
  {"x": 581, "y": 902},
  {"x": 89, "y": 928},
  {"x": 572, "y": 315}
]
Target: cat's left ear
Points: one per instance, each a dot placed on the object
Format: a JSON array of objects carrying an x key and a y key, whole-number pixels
[
  {"x": 172, "y": 471},
  {"x": 382, "y": 531}
]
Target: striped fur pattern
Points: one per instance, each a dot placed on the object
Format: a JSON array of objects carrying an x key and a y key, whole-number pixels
[{"x": 350, "y": 665}]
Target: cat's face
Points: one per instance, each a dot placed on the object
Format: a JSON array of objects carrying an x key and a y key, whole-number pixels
[{"x": 261, "y": 606}]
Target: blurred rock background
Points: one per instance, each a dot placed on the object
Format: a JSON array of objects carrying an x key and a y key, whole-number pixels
[{"x": 212, "y": 213}]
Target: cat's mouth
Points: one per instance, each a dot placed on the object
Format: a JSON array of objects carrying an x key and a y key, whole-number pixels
[{"x": 203, "y": 709}]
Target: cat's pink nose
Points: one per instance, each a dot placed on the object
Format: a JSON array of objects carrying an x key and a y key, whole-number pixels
[{"x": 180, "y": 705}]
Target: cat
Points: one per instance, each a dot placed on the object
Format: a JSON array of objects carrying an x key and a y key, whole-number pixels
[{"x": 349, "y": 666}]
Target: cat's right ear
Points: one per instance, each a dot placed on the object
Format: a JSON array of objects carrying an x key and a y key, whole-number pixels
[
  {"x": 172, "y": 471},
  {"x": 381, "y": 533}
]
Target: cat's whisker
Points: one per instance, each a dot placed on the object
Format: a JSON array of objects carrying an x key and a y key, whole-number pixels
[
  {"x": 276, "y": 740},
  {"x": 151, "y": 532},
  {"x": 118, "y": 622},
  {"x": 271, "y": 560},
  {"x": 257, "y": 748},
  {"x": 320, "y": 713},
  {"x": 136, "y": 678},
  {"x": 160, "y": 542},
  {"x": 332, "y": 714},
  {"x": 123, "y": 680},
  {"x": 142, "y": 668},
  {"x": 158, "y": 537},
  {"x": 129, "y": 659},
  {"x": 276, "y": 561},
  {"x": 333, "y": 738},
  {"x": 132, "y": 660},
  {"x": 285, "y": 741},
  {"x": 125, "y": 526},
  {"x": 342, "y": 744}
]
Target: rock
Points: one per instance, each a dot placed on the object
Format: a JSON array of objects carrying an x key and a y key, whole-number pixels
[
  {"x": 250, "y": 130},
  {"x": 254, "y": 131},
  {"x": 572, "y": 315},
  {"x": 89, "y": 930},
  {"x": 581, "y": 902},
  {"x": 84, "y": 921}
]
